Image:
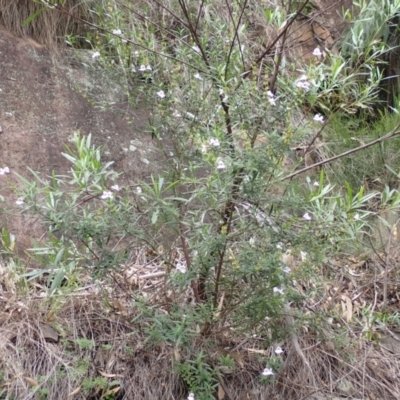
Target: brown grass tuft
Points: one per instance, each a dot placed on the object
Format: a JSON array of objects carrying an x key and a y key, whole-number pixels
[
  {"x": 85, "y": 344},
  {"x": 50, "y": 26}
]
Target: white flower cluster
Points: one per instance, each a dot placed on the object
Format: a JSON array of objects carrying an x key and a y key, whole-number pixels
[
  {"x": 317, "y": 52},
  {"x": 144, "y": 68},
  {"x": 220, "y": 164},
  {"x": 181, "y": 267},
  {"x": 214, "y": 142},
  {"x": 319, "y": 118},
  {"x": 303, "y": 83},
  {"x": 4, "y": 171},
  {"x": 271, "y": 98},
  {"x": 278, "y": 290},
  {"x": 107, "y": 195},
  {"x": 307, "y": 216},
  {"x": 161, "y": 94},
  {"x": 268, "y": 372}
]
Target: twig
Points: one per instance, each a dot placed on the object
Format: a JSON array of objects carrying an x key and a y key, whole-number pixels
[
  {"x": 295, "y": 341},
  {"x": 390, "y": 135},
  {"x": 386, "y": 274}
]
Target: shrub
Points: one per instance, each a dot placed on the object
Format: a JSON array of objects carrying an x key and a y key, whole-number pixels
[{"x": 222, "y": 215}]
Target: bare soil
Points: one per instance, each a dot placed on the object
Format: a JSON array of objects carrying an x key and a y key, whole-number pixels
[{"x": 44, "y": 100}]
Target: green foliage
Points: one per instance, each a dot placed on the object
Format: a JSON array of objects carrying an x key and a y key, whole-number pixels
[
  {"x": 199, "y": 376},
  {"x": 81, "y": 368},
  {"x": 369, "y": 167},
  {"x": 221, "y": 200},
  {"x": 85, "y": 344},
  {"x": 7, "y": 241},
  {"x": 96, "y": 383}
]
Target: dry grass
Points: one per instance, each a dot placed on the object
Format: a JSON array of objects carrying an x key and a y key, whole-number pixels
[
  {"x": 50, "y": 26},
  {"x": 98, "y": 349}
]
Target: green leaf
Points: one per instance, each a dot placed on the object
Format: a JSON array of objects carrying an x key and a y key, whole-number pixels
[
  {"x": 33, "y": 16},
  {"x": 59, "y": 256},
  {"x": 154, "y": 217},
  {"x": 57, "y": 281}
]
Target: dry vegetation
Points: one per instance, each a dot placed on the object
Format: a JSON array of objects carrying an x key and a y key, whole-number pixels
[
  {"x": 84, "y": 343},
  {"x": 49, "y": 27}
]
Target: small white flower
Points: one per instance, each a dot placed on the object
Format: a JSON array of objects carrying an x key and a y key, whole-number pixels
[
  {"x": 138, "y": 189},
  {"x": 19, "y": 201},
  {"x": 317, "y": 52},
  {"x": 305, "y": 85},
  {"x": 221, "y": 165},
  {"x": 133, "y": 69},
  {"x": 191, "y": 116},
  {"x": 196, "y": 49},
  {"x": 279, "y": 246},
  {"x": 144, "y": 68},
  {"x": 204, "y": 148},
  {"x": 307, "y": 216},
  {"x": 161, "y": 94},
  {"x": 116, "y": 188},
  {"x": 318, "y": 118},
  {"x": 181, "y": 268},
  {"x": 316, "y": 184},
  {"x": 279, "y": 351},
  {"x": 268, "y": 372},
  {"x": 191, "y": 396},
  {"x": 176, "y": 114},
  {"x": 287, "y": 270},
  {"x": 136, "y": 53},
  {"x": 357, "y": 217},
  {"x": 278, "y": 290},
  {"x": 214, "y": 142},
  {"x": 96, "y": 54},
  {"x": 271, "y": 98},
  {"x": 4, "y": 170},
  {"x": 106, "y": 195},
  {"x": 252, "y": 241},
  {"x": 303, "y": 255},
  {"x": 197, "y": 76},
  {"x": 117, "y": 32}
]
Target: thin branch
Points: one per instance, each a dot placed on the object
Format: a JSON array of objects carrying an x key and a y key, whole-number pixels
[
  {"x": 64, "y": 11},
  {"x": 236, "y": 36},
  {"x": 287, "y": 26},
  {"x": 279, "y": 57},
  {"x": 389, "y": 136}
]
